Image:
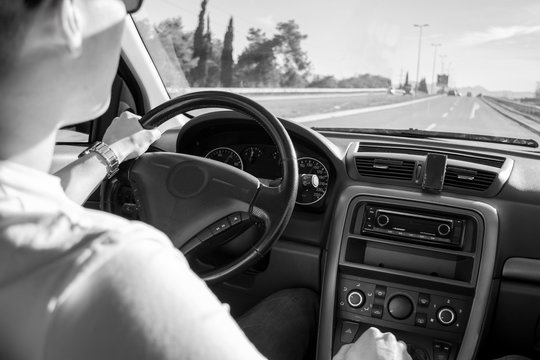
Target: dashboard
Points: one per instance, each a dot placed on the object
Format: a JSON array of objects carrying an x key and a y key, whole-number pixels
[
  {"x": 244, "y": 146},
  {"x": 433, "y": 267}
]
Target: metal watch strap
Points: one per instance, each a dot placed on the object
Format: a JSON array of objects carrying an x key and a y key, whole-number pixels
[{"x": 107, "y": 154}]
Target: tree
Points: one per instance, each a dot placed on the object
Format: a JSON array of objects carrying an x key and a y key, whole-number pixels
[
  {"x": 227, "y": 62},
  {"x": 202, "y": 47},
  {"x": 422, "y": 86},
  {"x": 198, "y": 37},
  {"x": 292, "y": 60},
  {"x": 257, "y": 63},
  {"x": 177, "y": 43},
  {"x": 406, "y": 84},
  {"x": 365, "y": 81},
  {"x": 323, "y": 82},
  {"x": 213, "y": 78},
  {"x": 164, "y": 52}
]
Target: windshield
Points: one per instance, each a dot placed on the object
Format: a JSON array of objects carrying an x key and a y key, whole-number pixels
[{"x": 468, "y": 67}]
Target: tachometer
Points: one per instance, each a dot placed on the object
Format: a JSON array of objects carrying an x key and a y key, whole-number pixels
[
  {"x": 313, "y": 181},
  {"x": 226, "y": 155}
]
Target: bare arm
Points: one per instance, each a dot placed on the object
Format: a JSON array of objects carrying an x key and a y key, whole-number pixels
[{"x": 125, "y": 137}]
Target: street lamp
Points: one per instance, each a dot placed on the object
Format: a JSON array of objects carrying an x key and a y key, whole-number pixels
[
  {"x": 442, "y": 62},
  {"x": 435, "y": 46},
  {"x": 442, "y": 68},
  {"x": 420, "y": 27}
]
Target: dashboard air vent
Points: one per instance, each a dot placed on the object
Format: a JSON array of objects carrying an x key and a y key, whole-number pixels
[
  {"x": 469, "y": 179},
  {"x": 489, "y": 160},
  {"x": 385, "y": 168}
]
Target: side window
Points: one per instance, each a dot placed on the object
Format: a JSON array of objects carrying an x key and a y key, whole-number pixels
[
  {"x": 79, "y": 133},
  {"x": 122, "y": 100}
]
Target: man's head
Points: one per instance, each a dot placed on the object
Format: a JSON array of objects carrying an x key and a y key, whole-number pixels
[{"x": 60, "y": 56}]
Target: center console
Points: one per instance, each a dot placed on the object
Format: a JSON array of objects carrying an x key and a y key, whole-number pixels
[{"x": 413, "y": 266}]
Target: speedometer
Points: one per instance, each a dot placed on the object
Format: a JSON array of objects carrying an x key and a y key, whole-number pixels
[
  {"x": 313, "y": 181},
  {"x": 226, "y": 155}
]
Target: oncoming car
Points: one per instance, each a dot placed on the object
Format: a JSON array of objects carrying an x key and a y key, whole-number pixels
[{"x": 417, "y": 214}]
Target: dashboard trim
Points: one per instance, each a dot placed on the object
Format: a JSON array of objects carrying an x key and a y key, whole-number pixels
[
  {"x": 522, "y": 269},
  {"x": 480, "y": 304}
]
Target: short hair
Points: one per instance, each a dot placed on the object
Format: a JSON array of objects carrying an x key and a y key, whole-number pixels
[{"x": 15, "y": 16}]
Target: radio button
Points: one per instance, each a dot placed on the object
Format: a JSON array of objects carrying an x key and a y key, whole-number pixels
[
  {"x": 380, "y": 292},
  {"x": 420, "y": 320},
  {"x": 423, "y": 299},
  {"x": 400, "y": 307},
  {"x": 383, "y": 220},
  {"x": 356, "y": 298},
  {"x": 444, "y": 229},
  {"x": 377, "y": 311}
]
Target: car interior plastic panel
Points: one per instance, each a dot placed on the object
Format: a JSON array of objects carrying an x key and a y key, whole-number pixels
[{"x": 430, "y": 295}]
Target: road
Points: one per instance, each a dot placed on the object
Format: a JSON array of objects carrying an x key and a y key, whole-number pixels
[
  {"x": 292, "y": 105},
  {"x": 444, "y": 113}
]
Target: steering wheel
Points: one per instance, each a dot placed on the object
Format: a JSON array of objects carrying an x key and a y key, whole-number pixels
[{"x": 197, "y": 201}]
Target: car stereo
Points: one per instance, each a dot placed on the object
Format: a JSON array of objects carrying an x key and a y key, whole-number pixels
[{"x": 413, "y": 227}]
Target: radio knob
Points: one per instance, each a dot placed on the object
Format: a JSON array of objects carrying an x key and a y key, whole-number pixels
[
  {"x": 383, "y": 220},
  {"x": 446, "y": 316},
  {"x": 444, "y": 229},
  {"x": 356, "y": 298}
]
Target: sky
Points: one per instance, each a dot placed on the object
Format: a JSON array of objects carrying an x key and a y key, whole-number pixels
[{"x": 489, "y": 43}]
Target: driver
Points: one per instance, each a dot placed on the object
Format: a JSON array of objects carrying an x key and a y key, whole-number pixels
[{"x": 82, "y": 284}]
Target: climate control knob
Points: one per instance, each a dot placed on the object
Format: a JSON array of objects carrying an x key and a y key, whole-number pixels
[
  {"x": 383, "y": 220},
  {"x": 446, "y": 316},
  {"x": 400, "y": 307},
  {"x": 356, "y": 298}
]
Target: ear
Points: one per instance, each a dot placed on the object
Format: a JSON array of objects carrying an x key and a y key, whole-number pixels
[{"x": 69, "y": 27}]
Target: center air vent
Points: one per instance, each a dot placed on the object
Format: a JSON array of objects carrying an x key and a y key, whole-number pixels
[
  {"x": 488, "y": 160},
  {"x": 469, "y": 179},
  {"x": 385, "y": 168}
]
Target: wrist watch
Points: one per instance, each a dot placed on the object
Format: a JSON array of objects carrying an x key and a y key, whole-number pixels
[{"x": 107, "y": 154}]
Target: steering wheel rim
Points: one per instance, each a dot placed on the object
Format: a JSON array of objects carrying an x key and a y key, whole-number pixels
[{"x": 271, "y": 205}]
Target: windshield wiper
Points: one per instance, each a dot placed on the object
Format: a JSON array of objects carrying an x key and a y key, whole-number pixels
[{"x": 415, "y": 133}]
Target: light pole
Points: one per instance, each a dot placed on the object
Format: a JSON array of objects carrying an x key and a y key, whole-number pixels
[
  {"x": 435, "y": 46},
  {"x": 442, "y": 62},
  {"x": 448, "y": 68},
  {"x": 420, "y": 27},
  {"x": 442, "y": 69}
]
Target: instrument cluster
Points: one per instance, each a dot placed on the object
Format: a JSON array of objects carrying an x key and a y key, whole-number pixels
[{"x": 264, "y": 162}]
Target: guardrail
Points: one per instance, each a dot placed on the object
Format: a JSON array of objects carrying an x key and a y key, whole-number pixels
[
  {"x": 524, "y": 120},
  {"x": 287, "y": 91},
  {"x": 528, "y": 110}
]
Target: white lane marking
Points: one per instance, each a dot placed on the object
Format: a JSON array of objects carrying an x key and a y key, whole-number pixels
[
  {"x": 445, "y": 115},
  {"x": 451, "y": 108},
  {"x": 473, "y": 111},
  {"x": 351, "y": 112},
  {"x": 431, "y": 126}
]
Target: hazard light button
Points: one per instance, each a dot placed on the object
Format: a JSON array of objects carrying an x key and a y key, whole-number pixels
[{"x": 348, "y": 332}]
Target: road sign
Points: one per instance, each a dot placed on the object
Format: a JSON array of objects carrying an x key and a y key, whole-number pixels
[{"x": 442, "y": 80}]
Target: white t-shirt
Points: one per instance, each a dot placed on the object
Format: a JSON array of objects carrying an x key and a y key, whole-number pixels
[{"x": 83, "y": 284}]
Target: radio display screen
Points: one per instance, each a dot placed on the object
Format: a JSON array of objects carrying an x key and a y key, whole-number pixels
[{"x": 413, "y": 226}]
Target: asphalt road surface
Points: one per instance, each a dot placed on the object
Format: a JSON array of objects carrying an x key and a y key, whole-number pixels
[
  {"x": 445, "y": 113},
  {"x": 292, "y": 106}
]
